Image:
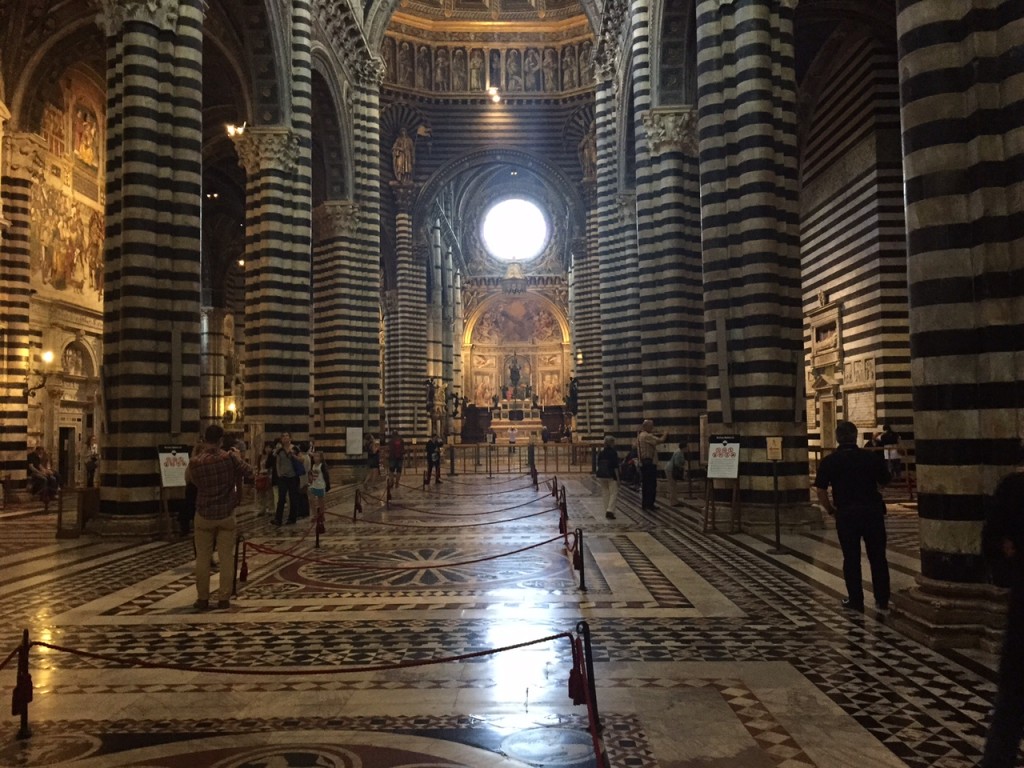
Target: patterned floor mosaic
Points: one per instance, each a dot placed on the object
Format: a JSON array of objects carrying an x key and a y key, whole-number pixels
[{"x": 429, "y": 632}]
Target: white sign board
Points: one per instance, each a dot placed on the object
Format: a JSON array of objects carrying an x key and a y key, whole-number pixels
[
  {"x": 723, "y": 458},
  {"x": 353, "y": 441},
  {"x": 173, "y": 463}
]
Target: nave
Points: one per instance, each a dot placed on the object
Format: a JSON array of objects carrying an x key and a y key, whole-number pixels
[{"x": 708, "y": 651}]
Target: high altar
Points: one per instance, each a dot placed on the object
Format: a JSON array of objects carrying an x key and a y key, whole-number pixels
[{"x": 523, "y": 336}]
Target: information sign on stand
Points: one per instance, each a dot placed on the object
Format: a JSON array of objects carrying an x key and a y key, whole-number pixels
[
  {"x": 723, "y": 458},
  {"x": 723, "y": 464},
  {"x": 173, "y": 463}
]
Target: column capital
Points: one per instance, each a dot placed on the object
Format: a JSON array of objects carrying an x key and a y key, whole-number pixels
[
  {"x": 162, "y": 14},
  {"x": 335, "y": 217},
  {"x": 671, "y": 129},
  {"x": 370, "y": 73},
  {"x": 267, "y": 147},
  {"x": 25, "y": 155},
  {"x": 405, "y": 194}
]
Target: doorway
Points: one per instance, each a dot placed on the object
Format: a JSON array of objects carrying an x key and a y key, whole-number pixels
[
  {"x": 828, "y": 423},
  {"x": 67, "y": 457}
]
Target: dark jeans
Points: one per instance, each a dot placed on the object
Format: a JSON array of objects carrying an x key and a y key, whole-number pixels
[
  {"x": 852, "y": 526},
  {"x": 287, "y": 487},
  {"x": 1007, "y": 727},
  {"x": 648, "y": 483},
  {"x": 434, "y": 469}
]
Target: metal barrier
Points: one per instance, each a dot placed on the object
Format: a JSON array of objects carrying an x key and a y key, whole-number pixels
[{"x": 503, "y": 459}]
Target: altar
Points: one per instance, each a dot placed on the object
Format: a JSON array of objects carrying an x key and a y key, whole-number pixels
[{"x": 517, "y": 414}]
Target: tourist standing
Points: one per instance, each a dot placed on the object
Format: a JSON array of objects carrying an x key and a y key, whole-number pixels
[
  {"x": 675, "y": 470},
  {"x": 608, "y": 475},
  {"x": 433, "y": 450},
  {"x": 855, "y": 476},
  {"x": 647, "y": 451},
  {"x": 287, "y": 480},
  {"x": 217, "y": 475}
]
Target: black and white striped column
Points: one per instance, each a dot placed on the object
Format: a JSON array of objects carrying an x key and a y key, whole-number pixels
[
  {"x": 749, "y": 184},
  {"x": 152, "y": 259},
  {"x": 277, "y": 281},
  {"x": 406, "y": 346},
  {"x": 961, "y": 104},
  {"x": 22, "y": 167},
  {"x": 346, "y": 330}
]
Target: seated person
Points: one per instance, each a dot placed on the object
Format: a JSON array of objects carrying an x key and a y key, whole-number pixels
[{"x": 42, "y": 477}]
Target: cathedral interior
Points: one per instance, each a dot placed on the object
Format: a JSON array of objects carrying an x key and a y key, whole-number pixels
[{"x": 483, "y": 220}]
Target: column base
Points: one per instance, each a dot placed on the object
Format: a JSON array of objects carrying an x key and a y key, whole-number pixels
[
  {"x": 760, "y": 518},
  {"x": 128, "y": 525},
  {"x": 944, "y": 614}
]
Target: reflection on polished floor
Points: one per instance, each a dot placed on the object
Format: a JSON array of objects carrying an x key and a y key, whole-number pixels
[{"x": 708, "y": 651}]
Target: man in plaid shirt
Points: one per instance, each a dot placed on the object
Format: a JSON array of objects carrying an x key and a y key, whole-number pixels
[{"x": 217, "y": 474}]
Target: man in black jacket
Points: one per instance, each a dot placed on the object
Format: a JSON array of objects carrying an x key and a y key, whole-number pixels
[
  {"x": 1004, "y": 539},
  {"x": 855, "y": 476}
]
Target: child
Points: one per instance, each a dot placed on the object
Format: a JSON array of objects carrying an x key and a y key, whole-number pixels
[{"x": 319, "y": 484}]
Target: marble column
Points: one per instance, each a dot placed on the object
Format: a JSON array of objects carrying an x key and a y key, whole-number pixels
[
  {"x": 670, "y": 274},
  {"x": 346, "y": 330},
  {"x": 22, "y": 168},
  {"x": 960, "y": 101},
  {"x": 152, "y": 249},
  {"x": 749, "y": 193},
  {"x": 406, "y": 348},
  {"x": 211, "y": 365},
  {"x": 277, "y": 281}
]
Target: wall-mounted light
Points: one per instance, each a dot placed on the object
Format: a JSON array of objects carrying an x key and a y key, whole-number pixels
[
  {"x": 493, "y": 93},
  {"x": 212, "y": 195},
  {"x": 44, "y": 374},
  {"x": 579, "y": 357},
  {"x": 241, "y": 262},
  {"x": 235, "y": 130}
]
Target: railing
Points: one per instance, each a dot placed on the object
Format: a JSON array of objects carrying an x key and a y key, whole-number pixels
[{"x": 505, "y": 459}]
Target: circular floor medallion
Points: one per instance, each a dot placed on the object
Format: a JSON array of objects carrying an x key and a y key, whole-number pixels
[{"x": 564, "y": 747}]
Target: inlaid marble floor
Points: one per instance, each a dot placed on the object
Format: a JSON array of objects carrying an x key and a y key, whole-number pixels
[{"x": 708, "y": 651}]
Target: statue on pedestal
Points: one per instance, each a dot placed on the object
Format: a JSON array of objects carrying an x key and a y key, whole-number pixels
[{"x": 513, "y": 372}]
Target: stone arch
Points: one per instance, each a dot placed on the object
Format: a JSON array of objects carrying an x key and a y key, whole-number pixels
[
  {"x": 665, "y": 38},
  {"x": 551, "y": 173},
  {"x": 333, "y": 170}
]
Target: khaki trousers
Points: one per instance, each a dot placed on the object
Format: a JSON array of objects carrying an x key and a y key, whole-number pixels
[{"x": 207, "y": 534}]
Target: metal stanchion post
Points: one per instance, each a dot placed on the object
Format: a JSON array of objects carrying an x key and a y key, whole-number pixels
[
  {"x": 23, "y": 688},
  {"x": 234, "y": 567},
  {"x": 584, "y": 629},
  {"x": 579, "y": 560}
]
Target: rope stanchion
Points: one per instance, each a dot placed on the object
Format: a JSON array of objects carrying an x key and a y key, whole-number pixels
[
  {"x": 22, "y": 695},
  {"x": 321, "y": 527},
  {"x": 589, "y": 691},
  {"x": 357, "y": 507},
  {"x": 554, "y": 486},
  {"x": 234, "y": 567},
  {"x": 535, "y": 477},
  {"x": 243, "y": 573},
  {"x": 474, "y": 513},
  {"x": 577, "y": 559}
]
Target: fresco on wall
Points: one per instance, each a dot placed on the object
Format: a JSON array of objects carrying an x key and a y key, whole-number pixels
[
  {"x": 85, "y": 129},
  {"x": 66, "y": 245},
  {"x": 516, "y": 321},
  {"x": 515, "y": 70}
]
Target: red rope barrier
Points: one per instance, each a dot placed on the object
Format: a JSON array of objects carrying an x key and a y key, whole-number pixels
[
  {"x": 10, "y": 656},
  {"x": 459, "y": 526},
  {"x": 120, "y": 661},
  {"x": 464, "y": 514},
  {"x": 411, "y": 567},
  {"x": 489, "y": 493}
]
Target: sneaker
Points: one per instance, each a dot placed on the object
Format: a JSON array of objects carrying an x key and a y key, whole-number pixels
[
  {"x": 851, "y": 606},
  {"x": 201, "y": 605},
  {"x": 289, "y": 521},
  {"x": 610, "y": 515},
  {"x": 223, "y": 604},
  {"x": 275, "y": 521},
  {"x": 882, "y": 607}
]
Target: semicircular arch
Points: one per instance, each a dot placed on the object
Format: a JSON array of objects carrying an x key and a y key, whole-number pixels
[{"x": 496, "y": 300}]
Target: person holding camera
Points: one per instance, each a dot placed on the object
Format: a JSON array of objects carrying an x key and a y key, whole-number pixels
[{"x": 217, "y": 475}]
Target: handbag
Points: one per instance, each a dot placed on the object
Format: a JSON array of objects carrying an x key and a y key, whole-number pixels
[
  {"x": 298, "y": 466},
  {"x": 261, "y": 483}
]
